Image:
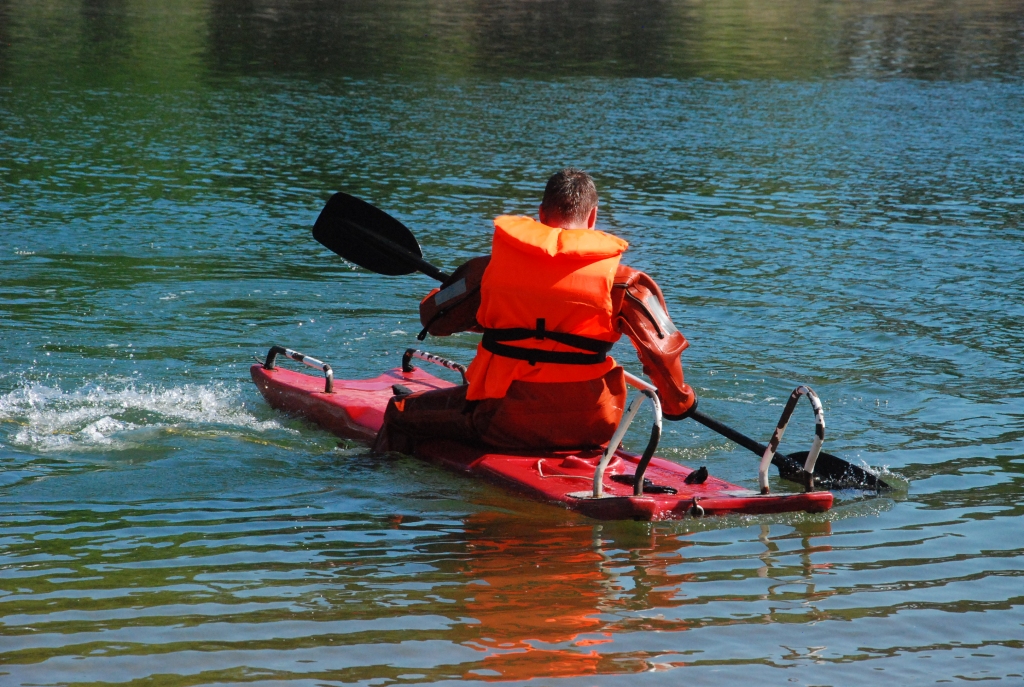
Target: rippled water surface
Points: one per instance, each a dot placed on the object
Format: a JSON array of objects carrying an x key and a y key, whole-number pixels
[{"x": 828, "y": 193}]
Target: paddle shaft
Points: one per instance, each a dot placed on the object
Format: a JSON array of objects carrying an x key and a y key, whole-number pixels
[{"x": 730, "y": 433}]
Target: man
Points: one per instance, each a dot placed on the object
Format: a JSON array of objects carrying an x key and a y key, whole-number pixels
[{"x": 550, "y": 300}]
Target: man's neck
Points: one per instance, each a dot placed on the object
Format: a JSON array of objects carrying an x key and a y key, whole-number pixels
[{"x": 561, "y": 223}]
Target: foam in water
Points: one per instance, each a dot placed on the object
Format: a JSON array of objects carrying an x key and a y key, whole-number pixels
[
  {"x": 119, "y": 415},
  {"x": 900, "y": 484}
]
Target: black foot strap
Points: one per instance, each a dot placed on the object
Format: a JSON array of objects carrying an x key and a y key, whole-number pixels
[
  {"x": 649, "y": 486},
  {"x": 699, "y": 476}
]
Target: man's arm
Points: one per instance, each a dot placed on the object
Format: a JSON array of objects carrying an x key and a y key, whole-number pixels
[
  {"x": 642, "y": 316},
  {"x": 452, "y": 308}
]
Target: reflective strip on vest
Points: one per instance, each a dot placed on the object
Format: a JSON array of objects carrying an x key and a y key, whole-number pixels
[{"x": 561, "y": 276}]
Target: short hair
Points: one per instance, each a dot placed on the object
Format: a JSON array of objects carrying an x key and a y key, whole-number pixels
[{"x": 570, "y": 195}]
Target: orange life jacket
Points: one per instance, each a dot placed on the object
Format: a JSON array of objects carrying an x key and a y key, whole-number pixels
[{"x": 545, "y": 307}]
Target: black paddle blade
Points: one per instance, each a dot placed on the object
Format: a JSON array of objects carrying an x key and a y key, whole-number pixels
[
  {"x": 830, "y": 472},
  {"x": 366, "y": 236}
]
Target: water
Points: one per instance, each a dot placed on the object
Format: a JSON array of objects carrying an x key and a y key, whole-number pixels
[{"x": 828, "y": 194}]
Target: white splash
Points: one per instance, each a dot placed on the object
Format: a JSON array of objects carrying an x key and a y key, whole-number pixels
[{"x": 119, "y": 414}]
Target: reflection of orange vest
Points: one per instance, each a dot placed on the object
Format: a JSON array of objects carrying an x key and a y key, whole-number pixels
[{"x": 545, "y": 307}]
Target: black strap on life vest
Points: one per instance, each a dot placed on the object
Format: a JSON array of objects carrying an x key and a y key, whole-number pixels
[{"x": 494, "y": 339}]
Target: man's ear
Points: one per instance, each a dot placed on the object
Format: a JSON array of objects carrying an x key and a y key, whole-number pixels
[
  {"x": 592, "y": 218},
  {"x": 541, "y": 215}
]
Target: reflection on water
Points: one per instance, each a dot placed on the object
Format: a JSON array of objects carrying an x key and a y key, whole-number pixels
[
  {"x": 135, "y": 591},
  {"x": 403, "y": 38},
  {"x": 829, "y": 193}
]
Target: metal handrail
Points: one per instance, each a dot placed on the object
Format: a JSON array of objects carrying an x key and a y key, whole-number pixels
[
  {"x": 780, "y": 429},
  {"x": 411, "y": 353},
  {"x": 647, "y": 391},
  {"x": 304, "y": 359}
]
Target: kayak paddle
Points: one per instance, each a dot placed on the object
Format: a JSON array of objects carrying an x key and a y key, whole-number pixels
[{"x": 374, "y": 240}]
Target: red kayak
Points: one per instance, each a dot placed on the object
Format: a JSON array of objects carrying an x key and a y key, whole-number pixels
[{"x": 598, "y": 483}]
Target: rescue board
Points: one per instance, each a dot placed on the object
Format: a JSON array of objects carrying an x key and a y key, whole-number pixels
[{"x": 354, "y": 409}]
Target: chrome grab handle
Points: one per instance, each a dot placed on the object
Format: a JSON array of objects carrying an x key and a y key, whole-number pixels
[
  {"x": 411, "y": 353},
  {"x": 647, "y": 391},
  {"x": 780, "y": 429},
  {"x": 300, "y": 358}
]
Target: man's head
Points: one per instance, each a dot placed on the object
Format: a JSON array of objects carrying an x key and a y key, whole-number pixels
[{"x": 570, "y": 200}]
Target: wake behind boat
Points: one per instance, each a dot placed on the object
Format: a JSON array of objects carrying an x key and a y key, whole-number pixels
[{"x": 608, "y": 483}]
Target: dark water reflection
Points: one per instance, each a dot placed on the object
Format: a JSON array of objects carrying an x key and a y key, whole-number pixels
[
  {"x": 828, "y": 193},
  {"x": 793, "y": 39},
  {"x": 549, "y": 39}
]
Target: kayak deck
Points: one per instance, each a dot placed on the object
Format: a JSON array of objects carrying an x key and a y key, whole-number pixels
[{"x": 354, "y": 409}]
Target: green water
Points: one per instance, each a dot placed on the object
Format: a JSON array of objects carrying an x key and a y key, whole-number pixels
[{"x": 828, "y": 193}]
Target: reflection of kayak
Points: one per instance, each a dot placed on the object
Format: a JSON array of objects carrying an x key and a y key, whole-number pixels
[{"x": 354, "y": 409}]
